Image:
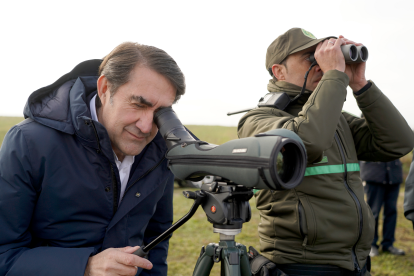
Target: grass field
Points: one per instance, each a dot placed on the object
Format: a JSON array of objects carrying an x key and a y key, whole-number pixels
[
  {"x": 6, "y": 123},
  {"x": 186, "y": 242}
]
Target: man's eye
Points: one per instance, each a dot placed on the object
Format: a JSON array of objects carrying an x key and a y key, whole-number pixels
[{"x": 139, "y": 106}]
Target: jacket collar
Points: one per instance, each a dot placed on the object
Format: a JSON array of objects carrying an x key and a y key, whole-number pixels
[{"x": 291, "y": 89}]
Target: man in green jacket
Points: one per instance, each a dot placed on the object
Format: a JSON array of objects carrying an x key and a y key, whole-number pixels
[{"x": 324, "y": 226}]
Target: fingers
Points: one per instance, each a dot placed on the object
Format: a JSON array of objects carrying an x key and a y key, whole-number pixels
[
  {"x": 129, "y": 249},
  {"x": 339, "y": 42},
  {"x": 329, "y": 55},
  {"x": 121, "y": 269},
  {"x": 129, "y": 259},
  {"x": 116, "y": 261},
  {"x": 322, "y": 46},
  {"x": 319, "y": 45},
  {"x": 332, "y": 42},
  {"x": 347, "y": 41}
]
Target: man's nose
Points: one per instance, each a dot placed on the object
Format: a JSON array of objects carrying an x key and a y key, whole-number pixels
[
  {"x": 317, "y": 68},
  {"x": 144, "y": 123}
]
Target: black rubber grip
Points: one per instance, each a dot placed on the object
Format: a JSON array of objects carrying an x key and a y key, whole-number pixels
[
  {"x": 190, "y": 194},
  {"x": 141, "y": 253}
]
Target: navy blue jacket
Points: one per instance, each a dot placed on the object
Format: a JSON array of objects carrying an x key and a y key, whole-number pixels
[
  {"x": 59, "y": 187},
  {"x": 382, "y": 172}
]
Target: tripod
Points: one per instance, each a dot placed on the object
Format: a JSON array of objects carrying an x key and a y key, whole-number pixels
[
  {"x": 233, "y": 257},
  {"x": 227, "y": 207}
]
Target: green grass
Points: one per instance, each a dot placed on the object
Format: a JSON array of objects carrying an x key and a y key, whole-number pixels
[
  {"x": 214, "y": 134},
  {"x": 6, "y": 123},
  {"x": 386, "y": 264},
  {"x": 186, "y": 242},
  {"x": 406, "y": 162}
]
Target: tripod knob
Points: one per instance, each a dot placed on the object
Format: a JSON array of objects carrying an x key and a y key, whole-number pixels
[{"x": 190, "y": 194}]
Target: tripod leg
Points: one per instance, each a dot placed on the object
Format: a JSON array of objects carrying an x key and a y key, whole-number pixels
[
  {"x": 244, "y": 261},
  {"x": 230, "y": 259},
  {"x": 205, "y": 262},
  {"x": 228, "y": 269}
]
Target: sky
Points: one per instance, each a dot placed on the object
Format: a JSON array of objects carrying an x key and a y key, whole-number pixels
[{"x": 219, "y": 45}]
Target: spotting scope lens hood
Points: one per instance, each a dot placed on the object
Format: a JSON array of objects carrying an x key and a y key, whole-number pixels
[{"x": 272, "y": 160}]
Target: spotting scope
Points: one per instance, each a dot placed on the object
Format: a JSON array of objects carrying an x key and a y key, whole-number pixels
[{"x": 273, "y": 160}]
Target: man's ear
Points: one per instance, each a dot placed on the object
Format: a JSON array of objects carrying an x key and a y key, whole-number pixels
[
  {"x": 279, "y": 71},
  {"x": 103, "y": 89}
]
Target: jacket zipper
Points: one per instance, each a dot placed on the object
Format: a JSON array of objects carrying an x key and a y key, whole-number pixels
[
  {"x": 356, "y": 265},
  {"x": 302, "y": 224},
  {"x": 301, "y": 227},
  {"x": 340, "y": 139}
]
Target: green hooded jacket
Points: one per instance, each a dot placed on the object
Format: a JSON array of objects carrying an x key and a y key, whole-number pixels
[{"x": 325, "y": 219}]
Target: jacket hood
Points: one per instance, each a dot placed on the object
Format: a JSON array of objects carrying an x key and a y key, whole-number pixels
[
  {"x": 64, "y": 106},
  {"x": 59, "y": 104}
]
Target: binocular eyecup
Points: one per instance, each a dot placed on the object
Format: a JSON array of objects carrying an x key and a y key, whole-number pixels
[{"x": 352, "y": 54}]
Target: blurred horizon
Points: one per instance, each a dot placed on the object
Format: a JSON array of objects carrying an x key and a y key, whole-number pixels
[{"x": 219, "y": 45}]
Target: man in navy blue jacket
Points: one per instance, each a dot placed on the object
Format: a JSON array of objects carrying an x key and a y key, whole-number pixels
[
  {"x": 83, "y": 179},
  {"x": 382, "y": 185}
]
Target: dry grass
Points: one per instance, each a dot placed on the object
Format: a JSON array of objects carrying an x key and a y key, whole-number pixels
[{"x": 6, "y": 123}]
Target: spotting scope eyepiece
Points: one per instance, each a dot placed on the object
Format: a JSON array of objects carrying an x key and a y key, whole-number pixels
[
  {"x": 171, "y": 128},
  {"x": 272, "y": 160},
  {"x": 352, "y": 54}
]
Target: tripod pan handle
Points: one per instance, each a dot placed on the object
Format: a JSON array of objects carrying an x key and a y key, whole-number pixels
[{"x": 140, "y": 253}]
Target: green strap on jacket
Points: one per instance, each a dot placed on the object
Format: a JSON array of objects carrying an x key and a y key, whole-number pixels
[{"x": 328, "y": 169}]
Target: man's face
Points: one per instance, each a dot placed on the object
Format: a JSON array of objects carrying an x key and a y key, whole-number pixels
[
  {"x": 128, "y": 114},
  {"x": 297, "y": 66}
]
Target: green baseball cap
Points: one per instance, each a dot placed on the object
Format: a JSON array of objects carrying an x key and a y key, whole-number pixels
[{"x": 294, "y": 40}]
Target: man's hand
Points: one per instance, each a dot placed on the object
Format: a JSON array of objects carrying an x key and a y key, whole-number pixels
[
  {"x": 355, "y": 71},
  {"x": 329, "y": 56},
  {"x": 116, "y": 261}
]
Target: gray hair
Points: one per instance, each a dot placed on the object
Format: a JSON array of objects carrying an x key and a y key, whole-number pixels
[{"x": 119, "y": 63}]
